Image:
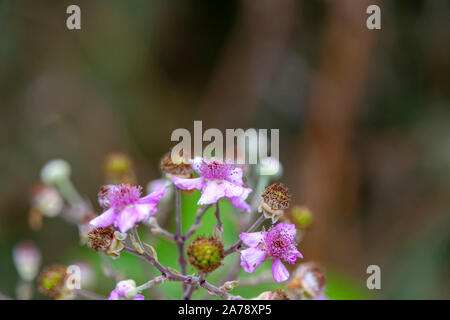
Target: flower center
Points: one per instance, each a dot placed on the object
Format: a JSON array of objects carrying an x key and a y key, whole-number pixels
[
  {"x": 215, "y": 169},
  {"x": 123, "y": 195},
  {"x": 278, "y": 244}
]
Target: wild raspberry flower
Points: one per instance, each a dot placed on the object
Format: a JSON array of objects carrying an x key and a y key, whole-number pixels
[
  {"x": 126, "y": 207},
  {"x": 217, "y": 180},
  {"x": 205, "y": 254},
  {"x": 125, "y": 290},
  {"x": 107, "y": 240},
  {"x": 275, "y": 199},
  {"x": 277, "y": 244}
]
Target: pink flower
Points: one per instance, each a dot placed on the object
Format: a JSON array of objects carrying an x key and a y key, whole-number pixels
[
  {"x": 278, "y": 244},
  {"x": 217, "y": 180},
  {"x": 125, "y": 289},
  {"x": 126, "y": 208}
]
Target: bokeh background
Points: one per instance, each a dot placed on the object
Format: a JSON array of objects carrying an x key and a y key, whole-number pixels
[{"x": 364, "y": 119}]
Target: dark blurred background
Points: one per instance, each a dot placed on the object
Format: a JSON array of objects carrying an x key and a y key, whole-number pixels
[{"x": 364, "y": 116}]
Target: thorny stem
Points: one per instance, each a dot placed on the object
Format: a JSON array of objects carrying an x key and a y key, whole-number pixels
[
  {"x": 219, "y": 225},
  {"x": 179, "y": 236},
  {"x": 157, "y": 281},
  {"x": 158, "y": 230},
  {"x": 193, "y": 280},
  {"x": 237, "y": 244},
  {"x": 192, "y": 288}
]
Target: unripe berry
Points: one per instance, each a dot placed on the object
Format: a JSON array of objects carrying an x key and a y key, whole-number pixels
[{"x": 205, "y": 254}]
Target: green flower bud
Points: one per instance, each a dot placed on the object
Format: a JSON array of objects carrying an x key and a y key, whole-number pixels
[
  {"x": 205, "y": 254},
  {"x": 302, "y": 216}
]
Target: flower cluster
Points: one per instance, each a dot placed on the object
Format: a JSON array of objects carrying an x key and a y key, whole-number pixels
[{"x": 124, "y": 207}]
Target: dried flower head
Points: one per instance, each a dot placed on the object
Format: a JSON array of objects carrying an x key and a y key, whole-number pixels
[
  {"x": 205, "y": 254},
  {"x": 308, "y": 282},
  {"x": 100, "y": 238},
  {"x": 275, "y": 199},
  {"x": 105, "y": 239},
  {"x": 52, "y": 282},
  {"x": 273, "y": 295},
  {"x": 176, "y": 167}
]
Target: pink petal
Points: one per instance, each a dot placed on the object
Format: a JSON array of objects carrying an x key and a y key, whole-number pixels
[
  {"x": 211, "y": 193},
  {"x": 127, "y": 219},
  {"x": 196, "y": 164},
  {"x": 138, "y": 297},
  {"x": 251, "y": 258},
  {"x": 145, "y": 210},
  {"x": 293, "y": 257},
  {"x": 236, "y": 176},
  {"x": 105, "y": 219},
  {"x": 251, "y": 239},
  {"x": 114, "y": 295},
  {"x": 288, "y": 228},
  {"x": 153, "y": 197},
  {"x": 240, "y": 204},
  {"x": 188, "y": 184},
  {"x": 279, "y": 271},
  {"x": 232, "y": 190}
]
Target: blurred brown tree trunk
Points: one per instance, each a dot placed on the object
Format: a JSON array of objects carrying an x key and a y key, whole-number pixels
[{"x": 327, "y": 174}]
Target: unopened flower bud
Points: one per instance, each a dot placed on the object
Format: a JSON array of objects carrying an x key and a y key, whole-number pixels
[
  {"x": 27, "y": 259},
  {"x": 52, "y": 282},
  {"x": 275, "y": 199},
  {"x": 270, "y": 166},
  {"x": 55, "y": 171},
  {"x": 308, "y": 282},
  {"x": 229, "y": 285},
  {"x": 205, "y": 254},
  {"x": 126, "y": 289},
  {"x": 302, "y": 216},
  {"x": 273, "y": 295},
  {"x": 47, "y": 200},
  {"x": 107, "y": 240}
]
